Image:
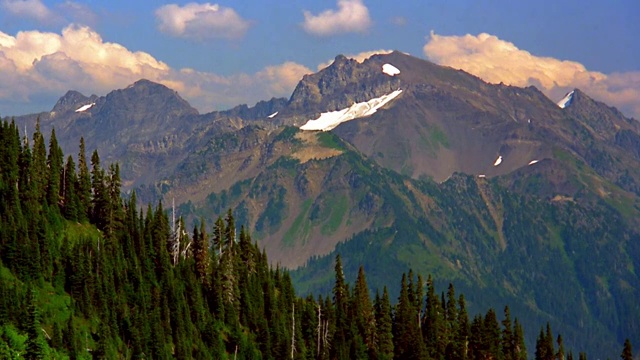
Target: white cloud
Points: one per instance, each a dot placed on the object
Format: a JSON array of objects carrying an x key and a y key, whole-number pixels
[
  {"x": 358, "y": 57},
  {"x": 62, "y": 13},
  {"x": 33, "y": 9},
  {"x": 351, "y": 16},
  {"x": 42, "y": 65},
  {"x": 201, "y": 21},
  {"x": 496, "y": 60}
]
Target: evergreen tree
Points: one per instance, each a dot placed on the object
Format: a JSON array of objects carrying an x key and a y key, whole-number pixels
[
  {"x": 461, "y": 339},
  {"x": 520, "y": 349},
  {"x": 492, "y": 335},
  {"x": 508, "y": 337},
  {"x": 340, "y": 303},
  {"x": 39, "y": 165},
  {"x": 384, "y": 326},
  {"x": 408, "y": 342},
  {"x": 35, "y": 348},
  {"x": 84, "y": 184},
  {"x": 114, "y": 209},
  {"x": 100, "y": 200},
  {"x": 55, "y": 167},
  {"x": 627, "y": 351},
  {"x": 201, "y": 253},
  {"x": 560, "y": 353},
  {"x": 362, "y": 312},
  {"x": 70, "y": 205},
  {"x": 433, "y": 323}
]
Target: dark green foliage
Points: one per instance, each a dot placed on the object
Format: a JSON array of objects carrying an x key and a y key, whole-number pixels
[
  {"x": 129, "y": 284},
  {"x": 384, "y": 326},
  {"x": 34, "y": 348}
]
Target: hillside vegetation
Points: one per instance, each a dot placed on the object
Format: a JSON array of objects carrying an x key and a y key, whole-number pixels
[{"x": 84, "y": 274}]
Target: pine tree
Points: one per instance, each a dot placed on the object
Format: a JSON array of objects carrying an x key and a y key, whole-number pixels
[
  {"x": 560, "y": 353},
  {"x": 508, "y": 337},
  {"x": 408, "y": 342},
  {"x": 520, "y": 348},
  {"x": 433, "y": 323},
  {"x": 71, "y": 205},
  {"x": 627, "y": 351},
  {"x": 69, "y": 339},
  {"x": 201, "y": 253},
  {"x": 451, "y": 312},
  {"x": 100, "y": 200},
  {"x": 55, "y": 167},
  {"x": 544, "y": 345},
  {"x": 340, "y": 303},
  {"x": 492, "y": 335},
  {"x": 114, "y": 210},
  {"x": 39, "y": 165},
  {"x": 461, "y": 338},
  {"x": 363, "y": 313},
  {"x": 384, "y": 326},
  {"x": 35, "y": 348},
  {"x": 84, "y": 184}
]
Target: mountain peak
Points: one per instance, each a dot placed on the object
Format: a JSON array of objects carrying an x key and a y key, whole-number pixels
[
  {"x": 69, "y": 101},
  {"x": 145, "y": 96},
  {"x": 148, "y": 86}
]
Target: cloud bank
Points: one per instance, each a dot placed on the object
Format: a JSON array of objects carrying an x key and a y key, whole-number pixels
[
  {"x": 351, "y": 16},
  {"x": 201, "y": 21},
  {"x": 496, "y": 60},
  {"x": 41, "y": 66}
]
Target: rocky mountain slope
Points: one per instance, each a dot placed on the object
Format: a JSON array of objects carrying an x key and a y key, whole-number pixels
[{"x": 495, "y": 187}]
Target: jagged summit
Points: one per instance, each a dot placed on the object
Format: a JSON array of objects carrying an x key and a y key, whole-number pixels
[{"x": 70, "y": 101}]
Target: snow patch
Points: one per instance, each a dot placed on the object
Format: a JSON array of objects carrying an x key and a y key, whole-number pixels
[
  {"x": 533, "y": 162},
  {"x": 566, "y": 100},
  {"x": 498, "y": 161},
  {"x": 390, "y": 70},
  {"x": 329, "y": 120},
  {"x": 273, "y": 115},
  {"x": 85, "y": 107}
]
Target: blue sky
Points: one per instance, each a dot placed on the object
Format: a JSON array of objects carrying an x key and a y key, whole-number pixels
[{"x": 221, "y": 54}]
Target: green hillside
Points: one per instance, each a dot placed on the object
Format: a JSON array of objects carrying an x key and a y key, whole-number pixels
[{"x": 85, "y": 274}]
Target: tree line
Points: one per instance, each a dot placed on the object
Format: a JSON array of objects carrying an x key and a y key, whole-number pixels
[{"x": 85, "y": 273}]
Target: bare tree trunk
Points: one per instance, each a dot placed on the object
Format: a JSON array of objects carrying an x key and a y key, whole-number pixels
[
  {"x": 293, "y": 330},
  {"x": 319, "y": 329}
]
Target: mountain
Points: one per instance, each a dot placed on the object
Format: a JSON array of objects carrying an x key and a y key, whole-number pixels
[
  {"x": 513, "y": 197},
  {"x": 146, "y": 127}
]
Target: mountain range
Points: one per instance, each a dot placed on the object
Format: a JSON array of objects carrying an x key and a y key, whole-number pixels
[{"x": 512, "y": 196}]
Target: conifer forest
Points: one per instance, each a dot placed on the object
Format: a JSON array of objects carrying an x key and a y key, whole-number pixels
[{"x": 87, "y": 274}]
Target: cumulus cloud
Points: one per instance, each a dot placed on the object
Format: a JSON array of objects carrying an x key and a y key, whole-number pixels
[
  {"x": 33, "y": 9},
  {"x": 351, "y": 16},
  {"x": 358, "y": 57},
  {"x": 201, "y": 21},
  {"x": 42, "y": 65},
  {"x": 496, "y": 60}
]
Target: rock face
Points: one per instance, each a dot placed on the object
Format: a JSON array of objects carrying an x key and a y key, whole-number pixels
[
  {"x": 339, "y": 85},
  {"x": 533, "y": 205}
]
